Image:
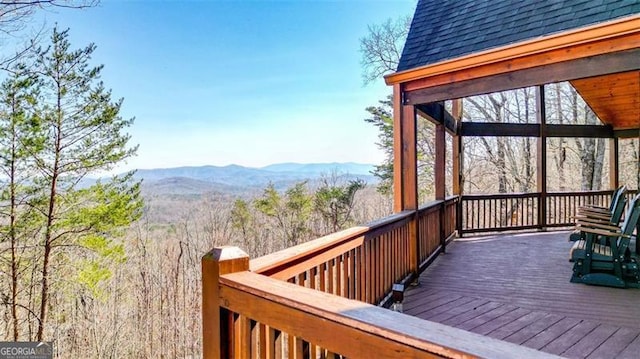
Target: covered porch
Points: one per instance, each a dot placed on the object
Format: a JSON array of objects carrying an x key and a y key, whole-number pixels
[{"x": 499, "y": 297}]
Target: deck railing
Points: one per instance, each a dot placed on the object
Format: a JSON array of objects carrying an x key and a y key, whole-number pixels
[
  {"x": 358, "y": 263},
  {"x": 519, "y": 211},
  {"x": 323, "y": 298},
  {"x": 499, "y": 212},
  {"x": 563, "y": 206}
]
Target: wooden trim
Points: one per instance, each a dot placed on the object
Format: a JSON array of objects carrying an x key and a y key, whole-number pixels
[
  {"x": 494, "y": 80},
  {"x": 354, "y": 329},
  {"x": 528, "y": 48}
]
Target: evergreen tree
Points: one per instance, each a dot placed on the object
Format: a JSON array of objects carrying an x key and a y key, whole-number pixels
[
  {"x": 84, "y": 135},
  {"x": 19, "y": 139},
  {"x": 291, "y": 211}
]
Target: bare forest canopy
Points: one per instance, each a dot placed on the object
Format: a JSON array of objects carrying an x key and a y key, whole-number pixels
[{"x": 496, "y": 164}]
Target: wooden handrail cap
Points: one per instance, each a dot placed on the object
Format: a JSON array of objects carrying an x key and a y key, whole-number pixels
[{"x": 225, "y": 253}]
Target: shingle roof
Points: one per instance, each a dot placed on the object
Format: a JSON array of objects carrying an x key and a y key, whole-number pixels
[{"x": 445, "y": 29}]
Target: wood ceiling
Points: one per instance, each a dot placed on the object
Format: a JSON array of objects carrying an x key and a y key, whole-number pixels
[{"x": 614, "y": 98}]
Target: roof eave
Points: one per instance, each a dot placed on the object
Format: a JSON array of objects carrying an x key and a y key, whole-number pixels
[{"x": 582, "y": 35}]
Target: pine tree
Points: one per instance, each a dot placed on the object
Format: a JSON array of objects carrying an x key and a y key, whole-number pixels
[
  {"x": 85, "y": 135},
  {"x": 19, "y": 139}
]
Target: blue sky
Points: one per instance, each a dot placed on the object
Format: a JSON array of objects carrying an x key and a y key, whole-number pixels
[{"x": 244, "y": 82}]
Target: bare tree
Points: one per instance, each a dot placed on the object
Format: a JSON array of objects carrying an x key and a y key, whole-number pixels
[{"x": 382, "y": 47}]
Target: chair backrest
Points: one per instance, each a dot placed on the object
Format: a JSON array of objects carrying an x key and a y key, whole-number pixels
[
  {"x": 628, "y": 226},
  {"x": 615, "y": 196},
  {"x": 631, "y": 218},
  {"x": 618, "y": 203}
]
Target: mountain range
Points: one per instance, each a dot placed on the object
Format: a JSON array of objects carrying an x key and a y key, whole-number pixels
[{"x": 235, "y": 179}]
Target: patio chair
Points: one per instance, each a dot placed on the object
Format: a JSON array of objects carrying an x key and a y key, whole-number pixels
[
  {"x": 603, "y": 258},
  {"x": 601, "y": 215},
  {"x": 595, "y": 208}
]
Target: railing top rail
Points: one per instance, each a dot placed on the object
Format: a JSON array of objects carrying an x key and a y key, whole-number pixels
[
  {"x": 353, "y": 328},
  {"x": 436, "y": 203},
  {"x": 281, "y": 260},
  {"x": 536, "y": 194},
  {"x": 500, "y": 195},
  {"x": 580, "y": 193}
]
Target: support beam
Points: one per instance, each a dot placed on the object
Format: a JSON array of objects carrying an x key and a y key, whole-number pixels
[
  {"x": 614, "y": 163},
  {"x": 440, "y": 162},
  {"x": 584, "y": 131},
  {"x": 611, "y": 63},
  {"x": 405, "y": 173},
  {"x": 405, "y": 169},
  {"x": 627, "y": 133},
  {"x": 533, "y": 130},
  {"x": 457, "y": 152},
  {"x": 457, "y": 149},
  {"x": 436, "y": 113},
  {"x": 541, "y": 157},
  {"x": 499, "y": 129},
  {"x": 440, "y": 180}
]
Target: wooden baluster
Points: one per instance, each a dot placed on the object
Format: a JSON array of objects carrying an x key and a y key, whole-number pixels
[
  {"x": 262, "y": 341},
  {"x": 338, "y": 266},
  {"x": 241, "y": 337}
]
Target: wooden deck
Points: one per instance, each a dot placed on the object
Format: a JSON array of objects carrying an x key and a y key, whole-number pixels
[{"x": 516, "y": 288}]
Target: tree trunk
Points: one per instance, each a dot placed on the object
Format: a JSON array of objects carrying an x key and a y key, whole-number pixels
[
  {"x": 598, "y": 164},
  {"x": 12, "y": 234},
  {"x": 53, "y": 193},
  {"x": 560, "y": 155}
]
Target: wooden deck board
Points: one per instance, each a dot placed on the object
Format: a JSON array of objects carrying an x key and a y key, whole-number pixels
[
  {"x": 540, "y": 339},
  {"x": 585, "y": 346},
  {"x": 545, "y": 323},
  {"x": 446, "y": 309},
  {"x": 570, "y": 338},
  {"x": 500, "y": 321},
  {"x": 453, "y": 311},
  {"x": 516, "y": 325},
  {"x": 615, "y": 343},
  {"x": 516, "y": 288},
  {"x": 631, "y": 351}
]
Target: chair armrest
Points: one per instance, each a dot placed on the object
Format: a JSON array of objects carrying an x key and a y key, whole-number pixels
[{"x": 609, "y": 232}]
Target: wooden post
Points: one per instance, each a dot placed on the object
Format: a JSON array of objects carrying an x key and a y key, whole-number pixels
[
  {"x": 440, "y": 178},
  {"x": 440, "y": 165},
  {"x": 458, "y": 151},
  {"x": 217, "y": 338},
  {"x": 541, "y": 157},
  {"x": 405, "y": 168},
  {"x": 614, "y": 164}
]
